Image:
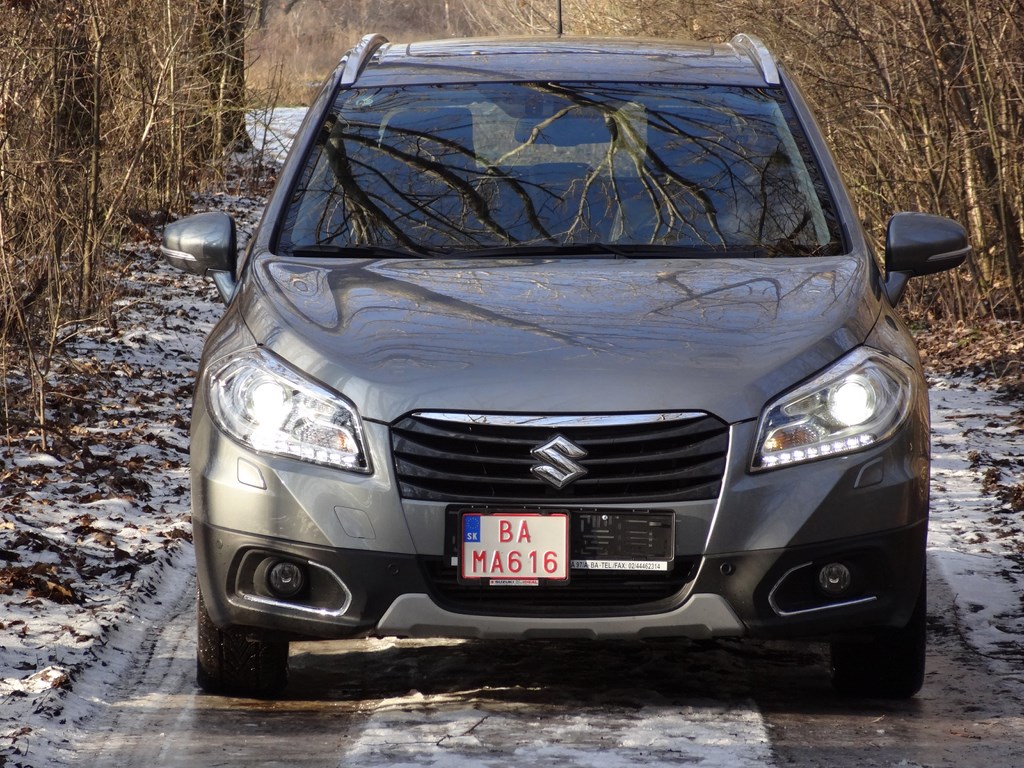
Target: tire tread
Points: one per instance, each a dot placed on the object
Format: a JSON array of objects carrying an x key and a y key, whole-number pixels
[{"x": 237, "y": 661}]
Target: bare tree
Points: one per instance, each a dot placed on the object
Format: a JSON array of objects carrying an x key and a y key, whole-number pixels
[
  {"x": 221, "y": 31},
  {"x": 103, "y": 104}
]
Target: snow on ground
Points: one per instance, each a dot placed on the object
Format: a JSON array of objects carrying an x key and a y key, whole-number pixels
[
  {"x": 95, "y": 530},
  {"x": 95, "y": 537},
  {"x": 976, "y": 535},
  {"x": 712, "y": 735}
]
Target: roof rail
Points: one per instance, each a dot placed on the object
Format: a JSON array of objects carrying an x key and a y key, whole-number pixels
[
  {"x": 359, "y": 56},
  {"x": 758, "y": 51}
]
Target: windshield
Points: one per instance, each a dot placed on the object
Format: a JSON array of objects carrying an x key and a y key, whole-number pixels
[{"x": 454, "y": 169}]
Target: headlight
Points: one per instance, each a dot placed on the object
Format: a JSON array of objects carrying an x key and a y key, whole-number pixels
[
  {"x": 859, "y": 401},
  {"x": 266, "y": 405}
]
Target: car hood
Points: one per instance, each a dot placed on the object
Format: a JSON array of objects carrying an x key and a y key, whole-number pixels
[{"x": 559, "y": 336}]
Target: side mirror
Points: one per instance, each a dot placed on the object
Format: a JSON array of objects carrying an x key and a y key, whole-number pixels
[
  {"x": 921, "y": 244},
  {"x": 204, "y": 244}
]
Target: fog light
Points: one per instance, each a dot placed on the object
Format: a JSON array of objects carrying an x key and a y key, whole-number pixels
[
  {"x": 286, "y": 579},
  {"x": 835, "y": 579}
]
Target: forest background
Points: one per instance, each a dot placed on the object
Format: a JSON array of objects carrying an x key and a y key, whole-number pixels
[{"x": 114, "y": 112}]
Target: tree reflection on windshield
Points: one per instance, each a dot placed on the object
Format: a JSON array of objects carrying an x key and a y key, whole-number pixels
[{"x": 457, "y": 169}]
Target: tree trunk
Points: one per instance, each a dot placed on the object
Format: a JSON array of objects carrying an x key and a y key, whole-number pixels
[{"x": 224, "y": 34}]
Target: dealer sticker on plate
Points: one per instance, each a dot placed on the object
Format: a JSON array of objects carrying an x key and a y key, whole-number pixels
[{"x": 515, "y": 548}]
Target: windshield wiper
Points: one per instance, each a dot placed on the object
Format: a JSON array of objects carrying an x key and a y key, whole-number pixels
[
  {"x": 359, "y": 251},
  {"x": 583, "y": 250},
  {"x": 623, "y": 251},
  {"x": 562, "y": 249}
]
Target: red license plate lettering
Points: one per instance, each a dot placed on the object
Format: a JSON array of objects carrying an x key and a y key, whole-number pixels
[{"x": 520, "y": 546}]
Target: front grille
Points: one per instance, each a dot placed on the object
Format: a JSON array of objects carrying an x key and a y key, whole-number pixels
[
  {"x": 640, "y": 458},
  {"x": 588, "y": 593}
]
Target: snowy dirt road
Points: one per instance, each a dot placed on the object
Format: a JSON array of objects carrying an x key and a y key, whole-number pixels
[{"x": 450, "y": 703}]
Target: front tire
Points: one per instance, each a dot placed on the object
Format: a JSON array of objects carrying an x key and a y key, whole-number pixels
[
  {"x": 237, "y": 661},
  {"x": 889, "y": 666}
]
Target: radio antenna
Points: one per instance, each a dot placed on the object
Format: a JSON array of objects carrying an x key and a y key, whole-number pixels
[{"x": 558, "y": 11}]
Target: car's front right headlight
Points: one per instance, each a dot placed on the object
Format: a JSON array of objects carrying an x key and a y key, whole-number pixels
[
  {"x": 859, "y": 401},
  {"x": 265, "y": 404}
]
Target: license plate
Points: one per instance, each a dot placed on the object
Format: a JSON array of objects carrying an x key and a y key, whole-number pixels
[{"x": 520, "y": 548}]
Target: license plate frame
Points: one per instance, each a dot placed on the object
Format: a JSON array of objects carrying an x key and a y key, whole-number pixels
[
  {"x": 514, "y": 547},
  {"x": 623, "y": 540}
]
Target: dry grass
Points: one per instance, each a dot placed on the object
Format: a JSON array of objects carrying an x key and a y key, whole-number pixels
[{"x": 289, "y": 59}]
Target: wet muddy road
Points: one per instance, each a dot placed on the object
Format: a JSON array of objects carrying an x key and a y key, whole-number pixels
[{"x": 449, "y": 703}]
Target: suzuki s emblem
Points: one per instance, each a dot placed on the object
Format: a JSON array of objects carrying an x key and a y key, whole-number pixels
[{"x": 558, "y": 467}]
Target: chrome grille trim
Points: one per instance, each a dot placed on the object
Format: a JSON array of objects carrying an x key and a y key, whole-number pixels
[{"x": 557, "y": 422}]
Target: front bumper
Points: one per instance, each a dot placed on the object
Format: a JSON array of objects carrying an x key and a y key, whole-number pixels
[
  {"x": 752, "y": 554},
  {"x": 760, "y": 594}
]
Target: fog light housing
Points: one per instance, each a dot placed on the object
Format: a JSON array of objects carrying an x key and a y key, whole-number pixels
[
  {"x": 285, "y": 579},
  {"x": 835, "y": 579}
]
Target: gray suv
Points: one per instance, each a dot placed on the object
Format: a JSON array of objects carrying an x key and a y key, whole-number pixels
[{"x": 561, "y": 338}]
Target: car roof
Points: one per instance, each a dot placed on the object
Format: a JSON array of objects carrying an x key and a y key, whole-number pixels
[{"x": 742, "y": 61}]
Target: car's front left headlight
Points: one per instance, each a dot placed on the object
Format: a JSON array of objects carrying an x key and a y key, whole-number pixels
[
  {"x": 265, "y": 404},
  {"x": 859, "y": 401}
]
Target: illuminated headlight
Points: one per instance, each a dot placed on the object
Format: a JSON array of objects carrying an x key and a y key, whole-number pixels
[
  {"x": 859, "y": 401},
  {"x": 266, "y": 405}
]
